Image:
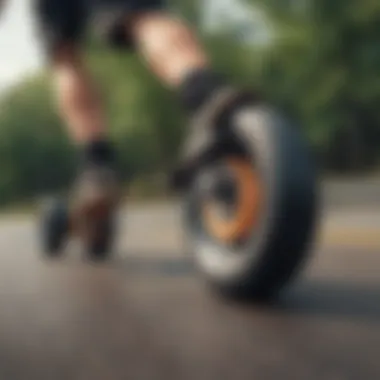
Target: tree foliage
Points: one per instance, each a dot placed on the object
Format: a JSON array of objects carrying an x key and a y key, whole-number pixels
[{"x": 323, "y": 67}]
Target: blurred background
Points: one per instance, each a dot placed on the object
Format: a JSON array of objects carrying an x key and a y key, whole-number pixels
[
  {"x": 317, "y": 59},
  {"x": 145, "y": 314}
]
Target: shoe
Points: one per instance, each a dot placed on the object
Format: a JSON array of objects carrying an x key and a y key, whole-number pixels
[
  {"x": 210, "y": 135},
  {"x": 94, "y": 199}
]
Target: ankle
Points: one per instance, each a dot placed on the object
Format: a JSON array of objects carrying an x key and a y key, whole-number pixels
[{"x": 98, "y": 152}]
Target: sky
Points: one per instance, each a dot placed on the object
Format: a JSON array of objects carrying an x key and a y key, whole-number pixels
[
  {"x": 20, "y": 53},
  {"x": 246, "y": 21}
]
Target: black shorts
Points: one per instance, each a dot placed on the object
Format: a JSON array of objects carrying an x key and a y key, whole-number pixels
[{"x": 65, "y": 21}]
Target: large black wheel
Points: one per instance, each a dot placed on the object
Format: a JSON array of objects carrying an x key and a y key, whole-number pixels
[
  {"x": 251, "y": 213},
  {"x": 54, "y": 228}
]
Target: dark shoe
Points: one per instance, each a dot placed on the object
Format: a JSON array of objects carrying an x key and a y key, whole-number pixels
[
  {"x": 95, "y": 197},
  {"x": 210, "y": 135}
]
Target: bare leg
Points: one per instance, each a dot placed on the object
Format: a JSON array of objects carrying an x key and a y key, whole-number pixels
[
  {"x": 173, "y": 52},
  {"x": 96, "y": 189},
  {"x": 77, "y": 97},
  {"x": 169, "y": 46}
]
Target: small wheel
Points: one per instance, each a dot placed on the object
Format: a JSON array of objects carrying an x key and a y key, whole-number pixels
[
  {"x": 251, "y": 214},
  {"x": 55, "y": 228},
  {"x": 99, "y": 236},
  {"x": 100, "y": 248}
]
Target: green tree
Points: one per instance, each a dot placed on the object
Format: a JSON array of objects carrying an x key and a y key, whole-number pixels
[{"x": 324, "y": 66}]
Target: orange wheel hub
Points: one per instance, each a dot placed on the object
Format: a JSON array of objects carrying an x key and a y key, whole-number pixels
[{"x": 246, "y": 208}]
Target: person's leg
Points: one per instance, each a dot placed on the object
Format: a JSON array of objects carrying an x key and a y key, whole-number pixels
[
  {"x": 167, "y": 44},
  {"x": 172, "y": 50},
  {"x": 96, "y": 188},
  {"x": 170, "y": 47},
  {"x": 62, "y": 24},
  {"x": 77, "y": 98}
]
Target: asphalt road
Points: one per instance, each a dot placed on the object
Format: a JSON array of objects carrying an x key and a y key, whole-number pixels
[{"x": 146, "y": 315}]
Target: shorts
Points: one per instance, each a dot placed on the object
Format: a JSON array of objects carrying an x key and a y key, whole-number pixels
[{"x": 66, "y": 21}]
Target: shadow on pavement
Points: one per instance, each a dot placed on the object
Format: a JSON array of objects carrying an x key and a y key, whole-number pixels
[
  {"x": 321, "y": 298},
  {"x": 333, "y": 299},
  {"x": 161, "y": 265},
  {"x": 326, "y": 298}
]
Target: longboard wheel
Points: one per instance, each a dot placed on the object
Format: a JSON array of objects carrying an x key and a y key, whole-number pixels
[
  {"x": 251, "y": 213},
  {"x": 55, "y": 228}
]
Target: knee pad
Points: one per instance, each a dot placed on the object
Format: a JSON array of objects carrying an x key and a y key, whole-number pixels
[{"x": 112, "y": 29}]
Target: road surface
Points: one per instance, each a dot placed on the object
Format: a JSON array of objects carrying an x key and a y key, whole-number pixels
[{"x": 146, "y": 315}]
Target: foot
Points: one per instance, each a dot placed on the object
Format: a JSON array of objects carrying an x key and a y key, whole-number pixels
[
  {"x": 95, "y": 197},
  {"x": 210, "y": 134}
]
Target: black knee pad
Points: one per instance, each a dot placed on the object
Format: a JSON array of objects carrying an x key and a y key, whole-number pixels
[
  {"x": 112, "y": 19},
  {"x": 111, "y": 28}
]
